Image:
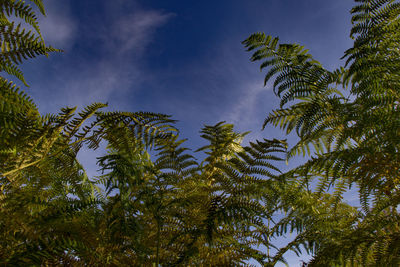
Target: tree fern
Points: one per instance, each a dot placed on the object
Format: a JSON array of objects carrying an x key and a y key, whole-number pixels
[
  {"x": 354, "y": 138},
  {"x": 17, "y": 43}
]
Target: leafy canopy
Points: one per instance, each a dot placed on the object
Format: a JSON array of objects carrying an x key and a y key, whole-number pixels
[
  {"x": 154, "y": 203},
  {"x": 355, "y": 137}
]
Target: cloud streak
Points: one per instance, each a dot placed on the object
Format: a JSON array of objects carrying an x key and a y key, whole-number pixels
[
  {"x": 58, "y": 27},
  {"x": 135, "y": 32},
  {"x": 83, "y": 78}
]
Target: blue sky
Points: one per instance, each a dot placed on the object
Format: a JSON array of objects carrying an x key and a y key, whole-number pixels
[{"x": 182, "y": 58}]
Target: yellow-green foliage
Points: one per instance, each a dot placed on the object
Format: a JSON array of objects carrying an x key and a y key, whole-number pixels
[
  {"x": 154, "y": 204},
  {"x": 355, "y": 138}
]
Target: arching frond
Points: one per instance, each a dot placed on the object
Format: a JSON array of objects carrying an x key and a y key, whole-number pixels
[{"x": 352, "y": 141}]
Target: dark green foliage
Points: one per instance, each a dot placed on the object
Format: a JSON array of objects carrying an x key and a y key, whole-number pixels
[
  {"x": 181, "y": 212},
  {"x": 18, "y": 44}
]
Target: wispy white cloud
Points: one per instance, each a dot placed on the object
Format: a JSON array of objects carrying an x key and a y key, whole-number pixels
[
  {"x": 135, "y": 31},
  {"x": 122, "y": 41},
  {"x": 58, "y": 27},
  {"x": 245, "y": 105},
  {"x": 119, "y": 70},
  {"x": 96, "y": 83}
]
